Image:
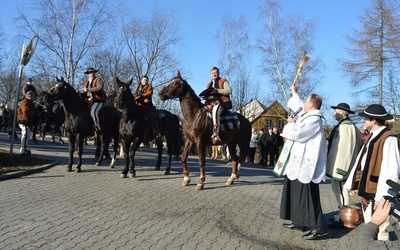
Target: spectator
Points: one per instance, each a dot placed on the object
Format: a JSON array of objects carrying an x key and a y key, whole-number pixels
[
  {"x": 367, "y": 236},
  {"x": 377, "y": 162},
  {"x": 253, "y": 145},
  {"x": 27, "y": 115},
  {"x": 275, "y": 144},
  {"x": 344, "y": 144},
  {"x": 263, "y": 147},
  {"x": 1, "y": 116},
  {"x": 364, "y": 134}
]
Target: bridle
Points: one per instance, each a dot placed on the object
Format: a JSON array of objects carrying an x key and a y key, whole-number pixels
[{"x": 172, "y": 87}]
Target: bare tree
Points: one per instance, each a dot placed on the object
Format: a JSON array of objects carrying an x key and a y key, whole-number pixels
[
  {"x": 151, "y": 41},
  {"x": 235, "y": 49},
  {"x": 373, "y": 46},
  {"x": 282, "y": 43},
  {"x": 67, "y": 32}
]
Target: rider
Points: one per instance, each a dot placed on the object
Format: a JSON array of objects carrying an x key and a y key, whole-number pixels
[
  {"x": 29, "y": 87},
  {"x": 221, "y": 91},
  {"x": 93, "y": 88},
  {"x": 143, "y": 97}
]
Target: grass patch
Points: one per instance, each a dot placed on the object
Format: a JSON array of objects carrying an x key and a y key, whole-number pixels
[{"x": 18, "y": 162}]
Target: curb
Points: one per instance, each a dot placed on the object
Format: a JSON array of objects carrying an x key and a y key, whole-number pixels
[{"x": 34, "y": 170}]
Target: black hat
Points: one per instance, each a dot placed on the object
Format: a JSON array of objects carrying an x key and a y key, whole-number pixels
[
  {"x": 376, "y": 111},
  {"x": 29, "y": 80},
  {"x": 91, "y": 70},
  {"x": 343, "y": 106}
]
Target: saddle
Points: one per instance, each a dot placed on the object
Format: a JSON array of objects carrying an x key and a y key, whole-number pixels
[{"x": 228, "y": 120}]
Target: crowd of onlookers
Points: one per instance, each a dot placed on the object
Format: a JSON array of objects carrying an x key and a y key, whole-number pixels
[{"x": 264, "y": 147}]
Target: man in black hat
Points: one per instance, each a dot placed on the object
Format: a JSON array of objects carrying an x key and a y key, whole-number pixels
[
  {"x": 344, "y": 145},
  {"x": 96, "y": 96},
  {"x": 29, "y": 87},
  {"x": 378, "y": 161}
]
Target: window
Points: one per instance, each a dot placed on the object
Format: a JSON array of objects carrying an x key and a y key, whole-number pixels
[
  {"x": 268, "y": 123},
  {"x": 281, "y": 124}
]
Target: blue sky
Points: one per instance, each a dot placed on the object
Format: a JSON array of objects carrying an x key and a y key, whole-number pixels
[{"x": 199, "y": 20}]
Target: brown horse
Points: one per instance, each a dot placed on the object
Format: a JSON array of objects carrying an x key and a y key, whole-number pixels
[{"x": 198, "y": 130}]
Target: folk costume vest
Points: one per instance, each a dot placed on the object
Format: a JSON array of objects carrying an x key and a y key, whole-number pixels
[
  {"x": 370, "y": 175},
  {"x": 343, "y": 147},
  {"x": 98, "y": 96},
  {"x": 223, "y": 99}
]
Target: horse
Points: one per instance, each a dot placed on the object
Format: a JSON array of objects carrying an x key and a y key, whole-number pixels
[
  {"x": 79, "y": 123},
  {"x": 51, "y": 116},
  {"x": 198, "y": 129},
  {"x": 134, "y": 130}
]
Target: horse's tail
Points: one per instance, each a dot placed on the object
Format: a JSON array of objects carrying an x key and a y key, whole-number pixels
[
  {"x": 244, "y": 137},
  {"x": 178, "y": 141}
]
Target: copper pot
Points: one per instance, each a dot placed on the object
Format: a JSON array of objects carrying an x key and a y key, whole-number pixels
[{"x": 351, "y": 216}]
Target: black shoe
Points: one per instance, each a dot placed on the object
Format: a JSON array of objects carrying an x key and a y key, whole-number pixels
[
  {"x": 293, "y": 226},
  {"x": 314, "y": 233},
  {"x": 288, "y": 225}
]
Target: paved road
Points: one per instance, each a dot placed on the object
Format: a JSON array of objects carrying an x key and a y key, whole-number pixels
[{"x": 96, "y": 209}]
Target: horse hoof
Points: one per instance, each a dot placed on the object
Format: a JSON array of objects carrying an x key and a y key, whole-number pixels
[
  {"x": 69, "y": 169},
  {"x": 111, "y": 166},
  {"x": 199, "y": 186},
  {"x": 97, "y": 164},
  {"x": 123, "y": 175},
  {"x": 230, "y": 182},
  {"x": 77, "y": 170},
  {"x": 157, "y": 168},
  {"x": 166, "y": 172},
  {"x": 132, "y": 175}
]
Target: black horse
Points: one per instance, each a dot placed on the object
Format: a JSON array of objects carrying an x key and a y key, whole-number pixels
[
  {"x": 79, "y": 123},
  {"x": 51, "y": 116},
  {"x": 134, "y": 130}
]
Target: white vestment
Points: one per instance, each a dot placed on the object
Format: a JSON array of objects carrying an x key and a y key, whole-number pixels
[{"x": 307, "y": 159}]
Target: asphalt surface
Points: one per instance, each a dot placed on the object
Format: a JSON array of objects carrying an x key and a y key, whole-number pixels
[{"x": 51, "y": 208}]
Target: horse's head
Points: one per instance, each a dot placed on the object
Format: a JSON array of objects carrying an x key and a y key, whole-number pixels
[
  {"x": 123, "y": 94},
  {"x": 176, "y": 88},
  {"x": 61, "y": 90}
]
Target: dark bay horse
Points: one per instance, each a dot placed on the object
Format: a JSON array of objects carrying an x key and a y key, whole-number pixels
[
  {"x": 134, "y": 130},
  {"x": 51, "y": 116},
  {"x": 198, "y": 130},
  {"x": 79, "y": 123}
]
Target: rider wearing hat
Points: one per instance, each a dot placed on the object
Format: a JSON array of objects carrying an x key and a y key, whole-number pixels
[
  {"x": 94, "y": 89},
  {"x": 29, "y": 87},
  {"x": 378, "y": 161},
  {"x": 343, "y": 147}
]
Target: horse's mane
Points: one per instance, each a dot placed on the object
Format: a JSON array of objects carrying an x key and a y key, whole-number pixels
[{"x": 194, "y": 97}]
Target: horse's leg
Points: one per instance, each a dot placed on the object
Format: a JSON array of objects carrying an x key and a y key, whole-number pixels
[
  {"x": 98, "y": 146},
  {"x": 170, "y": 151},
  {"x": 115, "y": 146},
  {"x": 80, "y": 152},
  {"x": 159, "y": 153},
  {"x": 102, "y": 142},
  {"x": 135, "y": 145},
  {"x": 72, "y": 141},
  {"x": 34, "y": 131},
  {"x": 188, "y": 146},
  {"x": 234, "y": 174},
  {"x": 201, "y": 150},
  {"x": 126, "y": 145}
]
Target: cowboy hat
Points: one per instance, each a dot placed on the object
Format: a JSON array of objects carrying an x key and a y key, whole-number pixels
[
  {"x": 343, "y": 106},
  {"x": 29, "y": 80},
  {"x": 376, "y": 111},
  {"x": 91, "y": 70}
]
